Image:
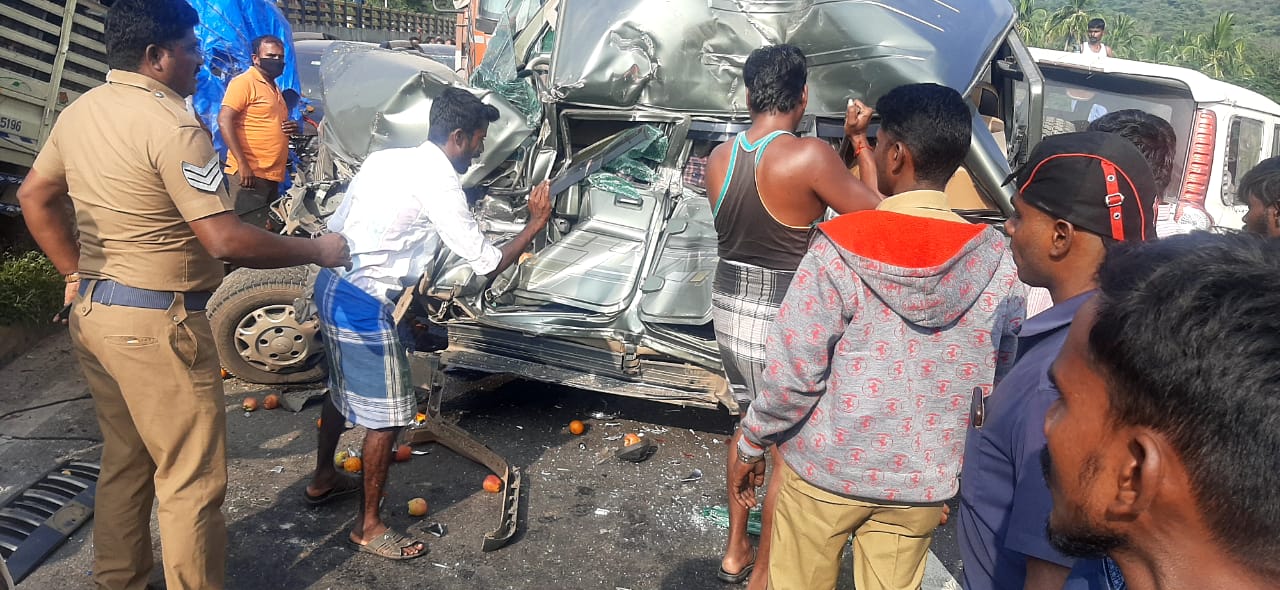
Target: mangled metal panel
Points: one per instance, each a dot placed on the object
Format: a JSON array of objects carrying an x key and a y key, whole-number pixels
[
  {"x": 687, "y": 55},
  {"x": 376, "y": 99}
]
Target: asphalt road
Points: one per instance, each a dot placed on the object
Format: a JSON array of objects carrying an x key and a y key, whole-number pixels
[{"x": 590, "y": 521}]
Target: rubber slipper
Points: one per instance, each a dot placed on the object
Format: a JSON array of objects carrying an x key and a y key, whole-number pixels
[
  {"x": 737, "y": 578},
  {"x": 346, "y": 486},
  {"x": 391, "y": 545}
]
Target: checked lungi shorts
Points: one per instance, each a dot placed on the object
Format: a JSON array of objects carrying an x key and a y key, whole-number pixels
[
  {"x": 368, "y": 359},
  {"x": 744, "y": 301}
]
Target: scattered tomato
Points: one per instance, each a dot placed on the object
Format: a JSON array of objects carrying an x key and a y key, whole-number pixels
[
  {"x": 352, "y": 464},
  {"x": 417, "y": 507},
  {"x": 577, "y": 427},
  {"x": 492, "y": 484},
  {"x": 631, "y": 439},
  {"x": 271, "y": 402},
  {"x": 250, "y": 404},
  {"x": 403, "y": 453}
]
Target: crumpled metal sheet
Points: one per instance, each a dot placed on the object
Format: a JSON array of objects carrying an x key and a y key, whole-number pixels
[
  {"x": 376, "y": 99},
  {"x": 687, "y": 55}
]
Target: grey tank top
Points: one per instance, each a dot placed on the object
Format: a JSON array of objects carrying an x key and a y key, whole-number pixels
[{"x": 747, "y": 232}]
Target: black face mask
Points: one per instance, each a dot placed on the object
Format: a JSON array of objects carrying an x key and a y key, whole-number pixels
[{"x": 273, "y": 66}]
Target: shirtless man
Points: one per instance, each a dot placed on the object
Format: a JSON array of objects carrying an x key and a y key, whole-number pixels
[{"x": 764, "y": 206}]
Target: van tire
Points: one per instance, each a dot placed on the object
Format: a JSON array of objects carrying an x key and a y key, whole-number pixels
[{"x": 258, "y": 338}]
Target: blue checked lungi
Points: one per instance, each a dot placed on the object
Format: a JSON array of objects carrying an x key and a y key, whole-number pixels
[
  {"x": 744, "y": 301},
  {"x": 368, "y": 360}
]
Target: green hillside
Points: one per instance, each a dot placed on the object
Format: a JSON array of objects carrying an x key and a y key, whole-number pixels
[
  {"x": 1233, "y": 40},
  {"x": 1257, "y": 20}
]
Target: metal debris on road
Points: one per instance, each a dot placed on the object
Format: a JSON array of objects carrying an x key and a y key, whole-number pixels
[
  {"x": 437, "y": 529},
  {"x": 613, "y": 424},
  {"x": 440, "y": 565},
  {"x": 694, "y": 475},
  {"x": 602, "y": 512},
  {"x": 420, "y": 452},
  {"x": 277, "y": 469},
  {"x": 658, "y": 430},
  {"x": 582, "y": 446},
  {"x": 613, "y": 438},
  {"x": 603, "y": 416}
]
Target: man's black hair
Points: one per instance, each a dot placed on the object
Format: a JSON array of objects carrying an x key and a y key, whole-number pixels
[
  {"x": 132, "y": 25},
  {"x": 934, "y": 122},
  {"x": 1187, "y": 335},
  {"x": 458, "y": 109},
  {"x": 258, "y": 42},
  {"x": 1098, "y": 23},
  {"x": 775, "y": 75},
  {"x": 1262, "y": 182},
  {"x": 1153, "y": 136}
]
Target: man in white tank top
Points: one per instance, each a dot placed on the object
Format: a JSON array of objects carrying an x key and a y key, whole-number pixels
[{"x": 1094, "y": 46}]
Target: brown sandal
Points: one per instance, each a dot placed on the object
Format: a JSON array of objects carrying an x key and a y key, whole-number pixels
[{"x": 391, "y": 545}]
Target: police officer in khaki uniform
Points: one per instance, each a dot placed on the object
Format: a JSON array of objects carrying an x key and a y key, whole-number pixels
[{"x": 155, "y": 225}]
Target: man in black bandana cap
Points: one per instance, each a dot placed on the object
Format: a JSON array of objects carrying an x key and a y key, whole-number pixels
[
  {"x": 255, "y": 125},
  {"x": 1079, "y": 195}
]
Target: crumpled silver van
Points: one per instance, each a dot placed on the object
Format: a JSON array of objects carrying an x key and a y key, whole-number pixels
[{"x": 617, "y": 107}]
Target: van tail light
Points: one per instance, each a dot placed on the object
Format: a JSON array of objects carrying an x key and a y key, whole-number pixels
[{"x": 1195, "y": 183}]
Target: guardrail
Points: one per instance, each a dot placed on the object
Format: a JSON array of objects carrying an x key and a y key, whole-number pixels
[{"x": 364, "y": 15}]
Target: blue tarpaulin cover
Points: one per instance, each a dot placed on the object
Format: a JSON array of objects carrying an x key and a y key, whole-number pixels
[{"x": 226, "y": 31}]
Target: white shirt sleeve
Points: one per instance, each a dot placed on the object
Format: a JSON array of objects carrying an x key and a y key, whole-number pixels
[{"x": 446, "y": 207}]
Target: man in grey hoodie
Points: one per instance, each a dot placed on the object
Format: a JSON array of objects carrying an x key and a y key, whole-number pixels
[{"x": 894, "y": 319}]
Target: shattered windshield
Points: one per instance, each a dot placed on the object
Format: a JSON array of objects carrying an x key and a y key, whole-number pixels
[
  {"x": 639, "y": 164},
  {"x": 497, "y": 72}
]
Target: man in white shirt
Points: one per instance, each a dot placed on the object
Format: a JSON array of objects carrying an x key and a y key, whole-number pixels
[
  {"x": 1094, "y": 46},
  {"x": 400, "y": 209}
]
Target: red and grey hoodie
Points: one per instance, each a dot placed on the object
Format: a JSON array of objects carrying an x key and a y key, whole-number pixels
[{"x": 890, "y": 323}]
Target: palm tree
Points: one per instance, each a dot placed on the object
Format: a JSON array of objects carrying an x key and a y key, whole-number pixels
[
  {"x": 1072, "y": 20},
  {"x": 1156, "y": 49},
  {"x": 1123, "y": 36},
  {"x": 1220, "y": 51},
  {"x": 1033, "y": 24}
]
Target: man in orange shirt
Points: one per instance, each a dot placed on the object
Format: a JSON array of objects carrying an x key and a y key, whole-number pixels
[{"x": 256, "y": 127}]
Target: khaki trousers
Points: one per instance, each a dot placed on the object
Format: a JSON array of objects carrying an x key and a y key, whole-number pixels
[
  {"x": 158, "y": 395},
  {"x": 810, "y": 527}
]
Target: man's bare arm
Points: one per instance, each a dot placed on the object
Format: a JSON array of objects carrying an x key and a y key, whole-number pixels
[
  {"x": 833, "y": 184},
  {"x": 1044, "y": 575},
  {"x": 229, "y": 239},
  {"x": 228, "y": 120},
  {"x": 857, "y": 118},
  {"x": 48, "y": 213}
]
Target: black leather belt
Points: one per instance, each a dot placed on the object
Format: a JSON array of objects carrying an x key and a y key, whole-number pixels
[{"x": 108, "y": 292}]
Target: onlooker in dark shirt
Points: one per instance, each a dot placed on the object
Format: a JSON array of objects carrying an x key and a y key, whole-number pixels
[
  {"x": 1260, "y": 190},
  {"x": 1163, "y": 449},
  {"x": 1064, "y": 218}
]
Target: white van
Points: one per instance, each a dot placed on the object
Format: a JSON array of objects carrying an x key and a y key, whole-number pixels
[{"x": 1223, "y": 130}]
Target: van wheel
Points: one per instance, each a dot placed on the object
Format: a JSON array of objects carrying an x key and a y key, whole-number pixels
[{"x": 259, "y": 336}]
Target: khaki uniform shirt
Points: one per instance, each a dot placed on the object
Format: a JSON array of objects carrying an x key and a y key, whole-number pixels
[
  {"x": 931, "y": 204},
  {"x": 138, "y": 167}
]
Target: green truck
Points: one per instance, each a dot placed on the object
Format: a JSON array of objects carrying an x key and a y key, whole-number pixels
[{"x": 50, "y": 53}]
